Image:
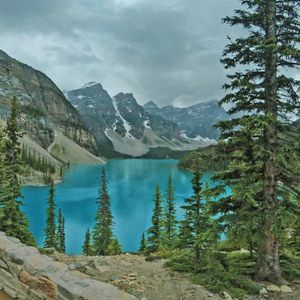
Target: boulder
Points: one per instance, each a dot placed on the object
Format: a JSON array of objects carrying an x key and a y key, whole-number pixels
[
  {"x": 26, "y": 274},
  {"x": 272, "y": 288},
  {"x": 226, "y": 296},
  {"x": 263, "y": 291},
  {"x": 285, "y": 289}
]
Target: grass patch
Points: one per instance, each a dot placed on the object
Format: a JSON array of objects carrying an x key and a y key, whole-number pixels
[{"x": 226, "y": 271}]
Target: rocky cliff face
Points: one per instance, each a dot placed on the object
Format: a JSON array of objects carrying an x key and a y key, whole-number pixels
[
  {"x": 120, "y": 124},
  {"x": 44, "y": 108},
  {"x": 26, "y": 274},
  {"x": 193, "y": 121}
]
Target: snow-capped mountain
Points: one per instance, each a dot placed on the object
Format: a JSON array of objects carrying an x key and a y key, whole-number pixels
[
  {"x": 119, "y": 123},
  {"x": 193, "y": 121}
]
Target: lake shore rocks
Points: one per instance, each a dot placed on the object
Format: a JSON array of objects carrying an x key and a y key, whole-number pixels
[{"x": 27, "y": 274}]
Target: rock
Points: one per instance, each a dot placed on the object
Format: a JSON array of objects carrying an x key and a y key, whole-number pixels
[
  {"x": 285, "y": 289},
  {"x": 43, "y": 106},
  {"x": 209, "y": 294},
  {"x": 40, "y": 277},
  {"x": 272, "y": 288},
  {"x": 226, "y": 296},
  {"x": 27, "y": 279},
  {"x": 263, "y": 291},
  {"x": 114, "y": 277},
  {"x": 47, "y": 287},
  {"x": 15, "y": 259},
  {"x": 3, "y": 265}
]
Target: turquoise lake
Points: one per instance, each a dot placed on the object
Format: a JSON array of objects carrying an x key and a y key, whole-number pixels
[{"x": 131, "y": 185}]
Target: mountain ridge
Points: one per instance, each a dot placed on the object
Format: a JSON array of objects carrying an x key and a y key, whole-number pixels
[
  {"x": 43, "y": 107},
  {"x": 123, "y": 125},
  {"x": 194, "y": 121}
]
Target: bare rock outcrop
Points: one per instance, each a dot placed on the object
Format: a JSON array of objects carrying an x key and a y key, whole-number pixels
[{"x": 27, "y": 274}]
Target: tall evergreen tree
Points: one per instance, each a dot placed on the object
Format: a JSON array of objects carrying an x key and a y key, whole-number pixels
[
  {"x": 60, "y": 234},
  {"x": 170, "y": 222},
  {"x": 143, "y": 245},
  {"x": 87, "y": 246},
  {"x": 50, "y": 230},
  {"x": 251, "y": 141},
  {"x": 155, "y": 232},
  {"x": 193, "y": 207},
  {"x": 12, "y": 221},
  {"x": 102, "y": 234}
]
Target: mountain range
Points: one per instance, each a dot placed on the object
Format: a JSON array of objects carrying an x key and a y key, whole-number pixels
[
  {"x": 85, "y": 123},
  {"x": 52, "y": 127},
  {"x": 119, "y": 123},
  {"x": 195, "y": 121}
]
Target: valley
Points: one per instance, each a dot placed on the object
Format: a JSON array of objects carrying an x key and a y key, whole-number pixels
[{"x": 88, "y": 126}]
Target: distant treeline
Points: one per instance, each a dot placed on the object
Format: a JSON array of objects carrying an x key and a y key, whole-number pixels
[{"x": 36, "y": 161}]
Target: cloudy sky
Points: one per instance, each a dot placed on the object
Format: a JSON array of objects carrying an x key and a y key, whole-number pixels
[{"x": 162, "y": 50}]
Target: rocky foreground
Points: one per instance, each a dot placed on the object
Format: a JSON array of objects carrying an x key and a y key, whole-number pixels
[{"x": 25, "y": 273}]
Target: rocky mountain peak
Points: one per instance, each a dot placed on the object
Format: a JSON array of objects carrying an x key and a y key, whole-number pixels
[
  {"x": 89, "y": 95},
  {"x": 152, "y": 108},
  {"x": 92, "y": 84},
  {"x": 125, "y": 97},
  {"x": 151, "y": 104}
]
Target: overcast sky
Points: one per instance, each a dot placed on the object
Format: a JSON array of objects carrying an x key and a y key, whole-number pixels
[{"x": 162, "y": 50}]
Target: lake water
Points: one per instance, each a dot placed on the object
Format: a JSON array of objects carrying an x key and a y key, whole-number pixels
[{"x": 131, "y": 185}]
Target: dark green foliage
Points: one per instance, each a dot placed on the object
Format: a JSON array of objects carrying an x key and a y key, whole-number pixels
[
  {"x": 155, "y": 232},
  {"x": 223, "y": 271},
  {"x": 143, "y": 246},
  {"x": 37, "y": 162},
  {"x": 87, "y": 245},
  {"x": 12, "y": 220},
  {"x": 163, "y": 152},
  {"x": 60, "y": 234},
  {"x": 261, "y": 161},
  {"x": 193, "y": 218},
  {"x": 32, "y": 111},
  {"x": 102, "y": 233},
  {"x": 206, "y": 159},
  {"x": 50, "y": 230},
  {"x": 170, "y": 223},
  {"x": 114, "y": 247}
]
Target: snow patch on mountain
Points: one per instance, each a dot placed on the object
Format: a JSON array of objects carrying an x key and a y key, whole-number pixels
[{"x": 126, "y": 125}]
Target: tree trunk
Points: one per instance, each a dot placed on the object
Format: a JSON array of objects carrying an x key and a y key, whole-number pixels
[{"x": 268, "y": 266}]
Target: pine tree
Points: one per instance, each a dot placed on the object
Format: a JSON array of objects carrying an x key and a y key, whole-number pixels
[
  {"x": 193, "y": 221},
  {"x": 185, "y": 235},
  {"x": 60, "y": 234},
  {"x": 170, "y": 214},
  {"x": 87, "y": 247},
  {"x": 50, "y": 230},
  {"x": 102, "y": 233},
  {"x": 114, "y": 247},
  {"x": 155, "y": 232},
  {"x": 12, "y": 221},
  {"x": 207, "y": 238},
  {"x": 261, "y": 90},
  {"x": 143, "y": 245}
]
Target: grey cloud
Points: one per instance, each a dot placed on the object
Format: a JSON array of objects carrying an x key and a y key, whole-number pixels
[{"x": 168, "y": 52}]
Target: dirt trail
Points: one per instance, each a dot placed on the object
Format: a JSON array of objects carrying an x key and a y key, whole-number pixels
[
  {"x": 146, "y": 280},
  {"x": 151, "y": 280}
]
